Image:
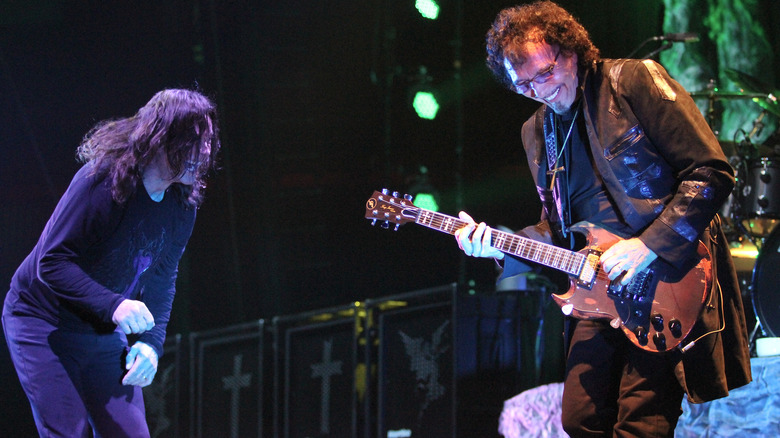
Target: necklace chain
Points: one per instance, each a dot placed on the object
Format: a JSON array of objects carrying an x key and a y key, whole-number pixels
[{"x": 556, "y": 168}]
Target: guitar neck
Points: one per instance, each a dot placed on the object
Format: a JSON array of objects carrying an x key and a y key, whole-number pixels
[{"x": 528, "y": 249}]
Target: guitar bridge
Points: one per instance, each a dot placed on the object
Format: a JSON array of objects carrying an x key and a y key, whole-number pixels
[{"x": 635, "y": 290}]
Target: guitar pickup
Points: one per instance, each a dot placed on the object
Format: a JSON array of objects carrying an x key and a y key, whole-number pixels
[{"x": 589, "y": 270}]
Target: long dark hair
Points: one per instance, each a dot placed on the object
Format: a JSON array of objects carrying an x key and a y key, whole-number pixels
[
  {"x": 541, "y": 20},
  {"x": 168, "y": 122}
]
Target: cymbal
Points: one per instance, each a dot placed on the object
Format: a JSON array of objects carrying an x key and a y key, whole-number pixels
[
  {"x": 743, "y": 255},
  {"x": 763, "y": 94},
  {"x": 712, "y": 94},
  {"x": 770, "y": 104},
  {"x": 750, "y": 83}
]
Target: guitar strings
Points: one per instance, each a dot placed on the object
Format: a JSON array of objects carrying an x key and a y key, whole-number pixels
[{"x": 533, "y": 250}]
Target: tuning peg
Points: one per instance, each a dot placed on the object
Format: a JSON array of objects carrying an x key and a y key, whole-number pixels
[
  {"x": 385, "y": 224},
  {"x": 395, "y": 194},
  {"x": 396, "y": 227},
  {"x": 373, "y": 222},
  {"x": 384, "y": 191},
  {"x": 408, "y": 197}
]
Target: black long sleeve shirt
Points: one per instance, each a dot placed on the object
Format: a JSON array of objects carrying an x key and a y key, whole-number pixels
[{"x": 95, "y": 253}]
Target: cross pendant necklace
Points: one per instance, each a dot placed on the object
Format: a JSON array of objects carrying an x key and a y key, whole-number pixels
[{"x": 558, "y": 168}]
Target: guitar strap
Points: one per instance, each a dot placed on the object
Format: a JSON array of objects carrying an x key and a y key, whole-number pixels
[
  {"x": 551, "y": 146},
  {"x": 545, "y": 194},
  {"x": 558, "y": 170},
  {"x": 553, "y": 180}
]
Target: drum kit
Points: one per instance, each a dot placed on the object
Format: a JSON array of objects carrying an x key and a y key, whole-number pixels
[{"x": 752, "y": 212}]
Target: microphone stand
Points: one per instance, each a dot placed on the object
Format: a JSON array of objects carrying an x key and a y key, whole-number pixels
[
  {"x": 639, "y": 47},
  {"x": 666, "y": 45}
]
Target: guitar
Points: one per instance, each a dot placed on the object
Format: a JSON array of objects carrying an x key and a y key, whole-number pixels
[{"x": 656, "y": 310}]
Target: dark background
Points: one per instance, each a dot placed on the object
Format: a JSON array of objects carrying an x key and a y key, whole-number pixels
[{"x": 314, "y": 112}]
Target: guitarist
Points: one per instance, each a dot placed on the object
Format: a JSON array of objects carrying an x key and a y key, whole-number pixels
[{"x": 620, "y": 144}]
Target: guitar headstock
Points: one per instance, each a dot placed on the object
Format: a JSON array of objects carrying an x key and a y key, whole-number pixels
[{"x": 390, "y": 208}]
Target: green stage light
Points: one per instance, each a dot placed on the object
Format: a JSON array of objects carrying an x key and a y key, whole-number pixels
[
  {"x": 426, "y": 201},
  {"x": 425, "y": 105},
  {"x": 423, "y": 193},
  {"x": 427, "y": 8}
]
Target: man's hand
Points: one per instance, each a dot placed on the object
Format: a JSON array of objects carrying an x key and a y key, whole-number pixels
[
  {"x": 141, "y": 365},
  {"x": 629, "y": 256},
  {"x": 474, "y": 239},
  {"x": 133, "y": 317}
]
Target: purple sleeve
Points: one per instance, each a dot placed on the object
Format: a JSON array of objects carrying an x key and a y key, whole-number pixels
[
  {"x": 159, "y": 291},
  {"x": 84, "y": 214}
]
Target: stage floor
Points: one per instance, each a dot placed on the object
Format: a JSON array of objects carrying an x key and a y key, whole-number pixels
[{"x": 750, "y": 411}]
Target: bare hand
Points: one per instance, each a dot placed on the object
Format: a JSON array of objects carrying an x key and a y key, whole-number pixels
[
  {"x": 630, "y": 256},
  {"x": 474, "y": 239},
  {"x": 141, "y": 365},
  {"x": 133, "y": 317}
]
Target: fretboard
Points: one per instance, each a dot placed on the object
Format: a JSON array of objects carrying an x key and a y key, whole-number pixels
[{"x": 548, "y": 255}]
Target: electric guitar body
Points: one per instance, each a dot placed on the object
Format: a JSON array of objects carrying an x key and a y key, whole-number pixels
[{"x": 656, "y": 310}]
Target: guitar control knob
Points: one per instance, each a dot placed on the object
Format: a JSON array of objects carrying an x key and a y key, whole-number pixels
[
  {"x": 660, "y": 341},
  {"x": 675, "y": 326},
  {"x": 641, "y": 335},
  {"x": 658, "y": 322}
]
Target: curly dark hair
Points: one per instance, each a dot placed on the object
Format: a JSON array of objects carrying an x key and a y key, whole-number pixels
[
  {"x": 538, "y": 21},
  {"x": 123, "y": 147}
]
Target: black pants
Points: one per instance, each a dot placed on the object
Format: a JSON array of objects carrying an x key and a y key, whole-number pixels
[
  {"x": 74, "y": 380},
  {"x": 613, "y": 388}
]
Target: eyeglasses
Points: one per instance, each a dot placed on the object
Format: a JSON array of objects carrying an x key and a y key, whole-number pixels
[
  {"x": 191, "y": 166},
  {"x": 543, "y": 76}
]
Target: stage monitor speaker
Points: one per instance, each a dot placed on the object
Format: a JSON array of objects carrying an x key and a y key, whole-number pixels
[
  {"x": 415, "y": 363},
  {"x": 445, "y": 362},
  {"x": 316, "y": 361},
  {"x": 226, "y": 388},
  {"x": 162, "y": 397}
]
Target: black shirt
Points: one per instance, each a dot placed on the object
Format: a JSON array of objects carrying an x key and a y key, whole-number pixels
[{"x": 587, "y": 196}]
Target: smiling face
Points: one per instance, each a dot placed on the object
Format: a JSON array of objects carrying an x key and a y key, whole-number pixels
[{"x": 543, "y": 73}]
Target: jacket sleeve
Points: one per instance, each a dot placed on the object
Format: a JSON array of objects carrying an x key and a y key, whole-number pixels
[{"x": 685, "y": 141}]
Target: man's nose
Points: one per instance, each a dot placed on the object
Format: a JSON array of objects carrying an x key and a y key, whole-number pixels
[{"x": 532, "y": 88}]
